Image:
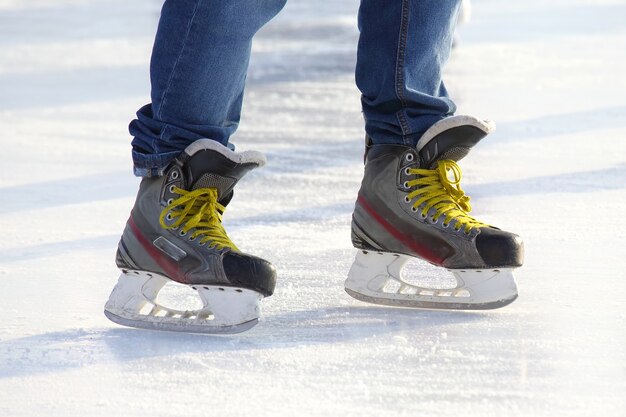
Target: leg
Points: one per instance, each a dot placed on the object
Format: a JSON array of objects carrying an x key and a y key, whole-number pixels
[
  {"x": 175, "y": 231},
  {"x": 410, "y": 204},
  {"x": 403, "y": 47},
  {"x": 198, "y": 70}
]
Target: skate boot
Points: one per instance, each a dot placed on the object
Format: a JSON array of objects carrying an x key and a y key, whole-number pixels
[
  {"x": 175, "y": 233},
  {"x": 411, "y": 205}
]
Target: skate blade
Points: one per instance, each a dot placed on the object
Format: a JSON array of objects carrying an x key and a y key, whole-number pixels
[
  {"x": 375, "y": 277},
  {"x": 133, "y": 302},
  {"x": 177, "y": 326}
]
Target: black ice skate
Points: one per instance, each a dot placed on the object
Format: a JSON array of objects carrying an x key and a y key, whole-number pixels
[
  {"x": 411, "y": 205},
  {"x": 175, "y": 233}
]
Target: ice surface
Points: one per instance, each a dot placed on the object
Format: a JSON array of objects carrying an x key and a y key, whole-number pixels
[{"x": 72, "y": 73}]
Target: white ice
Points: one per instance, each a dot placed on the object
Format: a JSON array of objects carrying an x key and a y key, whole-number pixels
[{"x": 551, "y": 74}]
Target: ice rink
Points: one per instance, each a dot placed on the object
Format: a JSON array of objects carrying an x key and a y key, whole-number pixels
[{"x": 550, "y": 73}]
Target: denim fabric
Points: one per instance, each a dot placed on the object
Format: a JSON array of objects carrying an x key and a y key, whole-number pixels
[
  {"x": 200, "y": 60},
  {"x": 403, "y": 47},
  {"x": 197, "y": 71}
]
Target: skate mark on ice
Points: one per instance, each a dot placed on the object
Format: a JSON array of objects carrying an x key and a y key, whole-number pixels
[
  {"x": 89, "y": 20},
  {"x": 52, "y": 89},
  {"x": 85, "y": 189},
  {"x": 559, "y": 124},
  {"x": 55, "y": 352},
  {"x": 572, "y": 182},
  {"x": 313, "y": 157},
  {"x": 593, "y": 18},
  {"x": 297, "y": 215},
  {"x": 47, "y": 250}
]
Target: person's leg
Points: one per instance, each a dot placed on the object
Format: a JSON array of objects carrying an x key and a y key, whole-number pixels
[
  {"x": 410, "y": 204},
  {"x": 403, "y": 47},
  {"x": 198, "y": 71},
  {"x": 180, "y": 147}
]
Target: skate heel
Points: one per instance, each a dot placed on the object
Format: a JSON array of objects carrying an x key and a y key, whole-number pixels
[
  {"x": 133, "y": 302},
  {"x": 376, "y": 277},
  {"x": 133, "y": 291}
]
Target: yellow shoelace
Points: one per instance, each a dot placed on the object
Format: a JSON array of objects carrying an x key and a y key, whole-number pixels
[
  {"x": 436, "y": 189},
  {"x": 198, "y": 210}
]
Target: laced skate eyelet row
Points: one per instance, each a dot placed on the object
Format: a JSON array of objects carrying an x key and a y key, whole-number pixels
[
  {"x": 171, "y": 189},
  {"x": 414, "y": 209},
  {"x": 170, "y": 201},
  {"x": 169, "y": 216},
  {"x": 407, "y": 199},
  {"x": 182, "y": 233},
  {"x": 406, "y": 184},
  {"x": 407, "y": 171}
]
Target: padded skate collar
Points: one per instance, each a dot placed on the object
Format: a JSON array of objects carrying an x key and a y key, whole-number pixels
[
  {"x": 452, "y": 138},
  {"x": 245, "y": 157}
]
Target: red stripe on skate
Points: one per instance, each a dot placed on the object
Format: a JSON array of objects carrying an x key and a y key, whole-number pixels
[
  {"x": 422, "y": 251},
  {"x": 171, "y": 268}
]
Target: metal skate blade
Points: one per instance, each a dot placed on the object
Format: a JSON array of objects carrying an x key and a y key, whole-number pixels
[
  {"x": 395, "y": 302},
  {"x": 377, "y": 278},
  {"x": 134, "y": 303},
  {"x": 162, "y": 323}
]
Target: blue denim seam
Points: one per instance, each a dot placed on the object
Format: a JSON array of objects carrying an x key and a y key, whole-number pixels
[
  {"x": 182, "y": 50},
  {"x": 152, "y": 165},
  {"x": 400, "y": 58}
]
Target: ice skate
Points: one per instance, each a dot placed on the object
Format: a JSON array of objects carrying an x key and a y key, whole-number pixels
[
  {"x": 411, "y": 205},
  {"x": 175, "y": 234}
]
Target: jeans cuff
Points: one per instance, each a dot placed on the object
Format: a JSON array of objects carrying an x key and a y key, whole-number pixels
[{"x": 152, "y": 165}]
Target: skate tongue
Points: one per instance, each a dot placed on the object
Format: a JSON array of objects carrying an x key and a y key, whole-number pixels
[
  {"x": 452, "y": 138},
  {"x": 209, "y": 164}
]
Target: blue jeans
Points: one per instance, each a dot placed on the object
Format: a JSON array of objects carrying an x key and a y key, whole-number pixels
[{"x": 201, "y": 54}]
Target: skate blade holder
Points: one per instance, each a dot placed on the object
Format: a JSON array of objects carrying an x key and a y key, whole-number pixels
[
  {"x": 376, "y": 277},
  {"x": 133, "y": 303}
]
